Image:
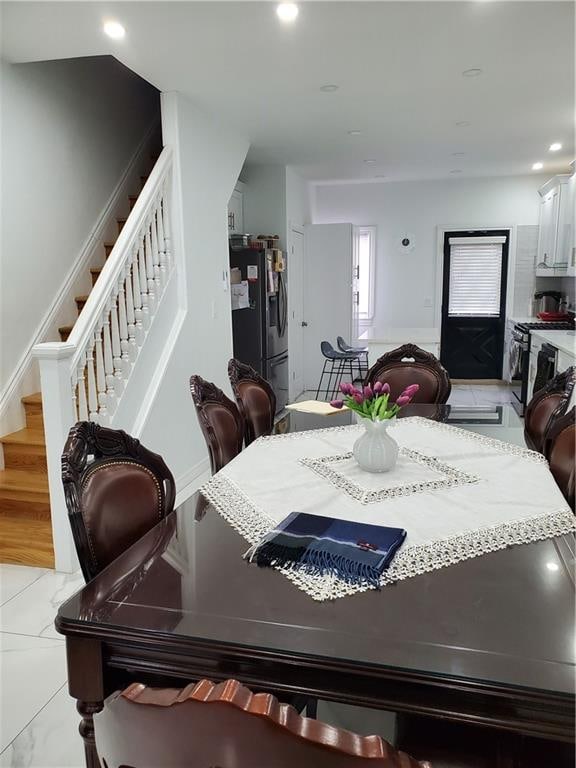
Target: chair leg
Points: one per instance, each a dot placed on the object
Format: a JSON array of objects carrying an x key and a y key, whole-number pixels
[
  {"x": 329, "y": 390},
  {"x": 321, "y": 377},
  {"x": 312, "y": 708},
  {"x": 338, "y": 378}
]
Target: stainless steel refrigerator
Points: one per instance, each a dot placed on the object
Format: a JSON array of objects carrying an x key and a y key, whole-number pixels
[{"x": 260, "y": 330}]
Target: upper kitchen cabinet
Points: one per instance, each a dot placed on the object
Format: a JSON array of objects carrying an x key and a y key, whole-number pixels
[
  {"x": 236, "y": 210},
  {"x": 556, "y": 227}
]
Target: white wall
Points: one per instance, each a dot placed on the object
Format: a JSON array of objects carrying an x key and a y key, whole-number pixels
[
  {"x": 406, "y": 283},
  {"x": 69, "y": 129},
  {"x": 265, "y": 200},
  {"x": 210, "y": 158}
]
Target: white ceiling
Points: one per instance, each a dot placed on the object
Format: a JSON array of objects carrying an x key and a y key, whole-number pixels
[{"x": 398, "y": 64}]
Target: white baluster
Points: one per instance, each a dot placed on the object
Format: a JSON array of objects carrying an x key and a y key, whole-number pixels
[
  {"x": 108, "y": 362},
  {"x": 130, "y": 316},
  {"x": 137, "y": 296},
  {"x": 161, "y": 242},
  {"x": 166, "y": 225},
  {"x": 100, "y": 374},
  {"x": 123, "y": 327},
  {"x": 92, "y": 392},
  {"x": 82, "y": 400},
  {"x": 116, "y": 350},
  {"x": 143, "y": 287},
  {"x": 156, "y": 256},
  {"x": 74, "y": 382},
  {"x": 150, "y": 271}
]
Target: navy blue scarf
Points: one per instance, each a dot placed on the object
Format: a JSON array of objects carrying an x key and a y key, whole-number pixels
[{"x": 354, "y": 552}]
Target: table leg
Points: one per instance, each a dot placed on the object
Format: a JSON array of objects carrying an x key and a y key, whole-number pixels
[{"x": 88, "y": 709}]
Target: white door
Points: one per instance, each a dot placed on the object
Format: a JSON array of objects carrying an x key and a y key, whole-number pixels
[
  {"x": 295, "y": 314},
  {"x": 327, "y": 293}
]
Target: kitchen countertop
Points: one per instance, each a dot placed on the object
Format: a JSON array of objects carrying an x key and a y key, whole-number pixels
[
  {"x": 562, "y": 340},
  {"x": 402, "y": 335}
]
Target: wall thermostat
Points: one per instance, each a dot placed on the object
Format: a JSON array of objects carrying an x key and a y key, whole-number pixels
[{"x": 406, "y": 242}]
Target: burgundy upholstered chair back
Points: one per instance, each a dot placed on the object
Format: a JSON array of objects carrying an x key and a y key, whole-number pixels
[
  {"x": 548, "y": 404},
  {"x": 560, "y": 450},
  {"x": 220, "y": 422},
  {"x": 116, "y": 491},
  {"x": 409, "y": 364},
  {"x": 226, "y": 726},
  {"x": 255, "y": 398}
]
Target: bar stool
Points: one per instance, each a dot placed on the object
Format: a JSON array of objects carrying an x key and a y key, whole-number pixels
[
  {"x": 362, "y": 353},
  {"x": 335, "y": 365}
]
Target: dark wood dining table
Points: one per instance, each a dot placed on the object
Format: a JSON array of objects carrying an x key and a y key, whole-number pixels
[{"x": 489, "y": 641}]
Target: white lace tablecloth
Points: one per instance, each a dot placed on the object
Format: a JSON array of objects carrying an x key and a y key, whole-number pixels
[{"x": 456, "y": 493}]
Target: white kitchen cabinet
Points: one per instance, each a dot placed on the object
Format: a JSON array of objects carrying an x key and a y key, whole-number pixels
[
  {"x": 564, "y": 361},
  {"x": 535, "y": 347},
  {"x": 236, "y": 210},
  {"x": 556, "y": 227}
]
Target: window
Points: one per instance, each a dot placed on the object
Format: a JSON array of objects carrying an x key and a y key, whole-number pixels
[
  {"x": 475, "y": 276},
  {"x": 365, "y": 252}
]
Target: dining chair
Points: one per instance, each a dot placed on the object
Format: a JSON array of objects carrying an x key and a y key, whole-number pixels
[
  {"x": 409, "y": 364},
  {"x": 116, "y": 491},
  {"x": 547, "y": 405},
  {"x": 335, "y": 365},
  {"x": 220, "y": 422},
  {"x": 255, "y": 398},
  {"x": 560, "y": 450},
  {"x": 225, "y": 724},
  {"x": 361, "y": 352}
]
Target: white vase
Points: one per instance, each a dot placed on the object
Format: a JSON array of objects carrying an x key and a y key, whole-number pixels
[{"x": 375, "y": 450}]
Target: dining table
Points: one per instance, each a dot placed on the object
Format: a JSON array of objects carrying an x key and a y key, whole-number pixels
[{"x": 488, "y": 641}]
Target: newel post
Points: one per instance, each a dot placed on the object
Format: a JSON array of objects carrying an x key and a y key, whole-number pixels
[{"x": 54, "y": 359}]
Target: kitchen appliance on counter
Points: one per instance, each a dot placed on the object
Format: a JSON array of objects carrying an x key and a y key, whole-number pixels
[
  {"x": 519, "y": 358},
  {"x": 260, "y": 326},
  {"x": 546, "y": 301}
]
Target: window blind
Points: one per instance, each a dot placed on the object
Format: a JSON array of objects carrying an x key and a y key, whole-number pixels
[{"x": 475, "y": 277}]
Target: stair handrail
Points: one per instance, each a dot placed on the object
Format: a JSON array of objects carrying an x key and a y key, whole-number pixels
[{"x": 119, "y": 255}]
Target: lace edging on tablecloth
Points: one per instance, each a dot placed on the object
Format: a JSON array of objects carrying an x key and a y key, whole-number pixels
[{"x": 253, "y": 524}]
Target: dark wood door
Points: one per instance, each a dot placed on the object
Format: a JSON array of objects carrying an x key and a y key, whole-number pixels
[{"x": 474, "y": 303}]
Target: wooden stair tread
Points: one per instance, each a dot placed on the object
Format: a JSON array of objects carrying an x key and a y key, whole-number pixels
[
  {"x": 24, "y": 437},
  {"x": 35, "y": 399},
  {"x": 65, "y": 328},
  {"x": 95, "y": 270},
  {"x": 20, "y": 480},
  {"x": 83, "y": 297}
]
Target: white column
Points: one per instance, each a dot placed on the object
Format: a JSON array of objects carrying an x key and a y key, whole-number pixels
[{"x": 57, "y": 406}]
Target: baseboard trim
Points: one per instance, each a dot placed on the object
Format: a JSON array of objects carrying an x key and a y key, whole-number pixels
[
  {"x": 188, "y": 483},
  {"x": 499, "y": 382}
]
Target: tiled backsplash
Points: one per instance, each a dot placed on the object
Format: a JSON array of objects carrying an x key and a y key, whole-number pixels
[{"x": 524, "y": 274}]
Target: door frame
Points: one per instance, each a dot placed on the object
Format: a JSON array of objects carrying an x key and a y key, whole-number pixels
[
  {"x": 439, "y": 264},
  {"x": 299, "y": 230}
]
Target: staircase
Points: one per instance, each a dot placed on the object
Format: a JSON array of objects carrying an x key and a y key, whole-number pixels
[{"x": 25, "y": 520}]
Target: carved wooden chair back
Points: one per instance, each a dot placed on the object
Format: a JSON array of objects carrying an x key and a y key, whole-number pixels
[
  {"x": 560, "y": 450},
  {"x": 220, "y": 422},
  {"x": 115, "y": 490},
  {"x": 547, "y": 405},
  {"x": 223, "y": 725},
  {"x": 255, "y": 398},
  {"x": 409, "y": 364}
]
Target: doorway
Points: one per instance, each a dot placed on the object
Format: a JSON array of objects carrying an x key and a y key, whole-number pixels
[
  {"x": 474, "y": 303},
  {"x": 296, "y": 314}
]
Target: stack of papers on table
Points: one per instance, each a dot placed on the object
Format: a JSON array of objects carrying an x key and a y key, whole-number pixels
[{"x": 318, "y": 407}]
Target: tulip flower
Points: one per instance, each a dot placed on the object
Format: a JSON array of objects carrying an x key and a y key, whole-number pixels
[
  {"x": 368, "y": 394},
  {"x": 377, "y": 387},
  {"x": 337, "y": 403},
  {"x": 358, "y": 398},
  {"x": 345, "y": 387},
  {"x": 411, "y": 390},
  {"x": 385, "y": 388},
  {"x": 402, "y": 400}
]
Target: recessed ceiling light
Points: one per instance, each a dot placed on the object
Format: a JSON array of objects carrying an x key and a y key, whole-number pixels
[
  {"x": 556, "y": 147},
  {"x": 458, "y": 154},
  {"x": 462, "y": 124},
  {"x": 114, "y": 29},
  {"x": 553, "y": 566},
  {"x": 456, "y": 170},
  {"x": 474, "y": 72},
  {"x": 537, "y": 166},
  {"x": 329, "y": 88},
  {"x": 354, "y": 133},
  {"x": 287, "y": 11},
  {"x": 370, "y": 161},
  {"x": 380, "y": 176}
]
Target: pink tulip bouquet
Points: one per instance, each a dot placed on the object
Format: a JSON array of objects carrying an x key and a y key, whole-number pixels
[{"x": 373, "y": 402}]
